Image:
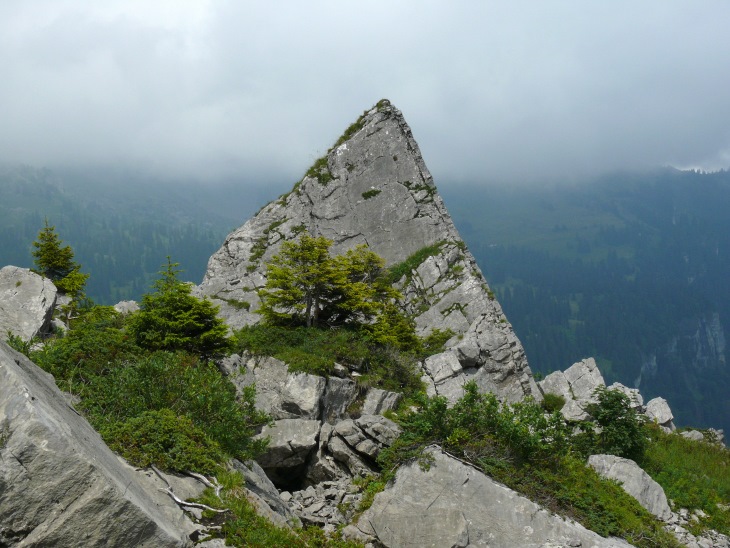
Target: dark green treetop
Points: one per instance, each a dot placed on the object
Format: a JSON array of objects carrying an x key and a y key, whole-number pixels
[
  {"x": 56, "y": 262},
  {"x": 306, "y": 285},
  {"x": 171, "y": 318}
]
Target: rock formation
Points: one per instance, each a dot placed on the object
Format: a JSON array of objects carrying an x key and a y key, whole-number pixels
[
  {"x": 373, "y": 188},
  {"x": 27, "y": 301},
  {"x": 453, "y": 504},
  {"x": 59, "y": 484},
  {"x": 634, "y": 481}
]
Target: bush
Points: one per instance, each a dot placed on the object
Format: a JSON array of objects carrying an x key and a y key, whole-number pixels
[
  {"x": 695, "y": 475},
  {"x": 315, "y": 351},
  {"x": 622, "y": 430},
  {"x": 552, "y": 402},
  {"x": 171, "y": 318},
  {"x": 186, "y": 386},
  {"x": 529, "y": 451},
  {"x": 169, "y": 441}
]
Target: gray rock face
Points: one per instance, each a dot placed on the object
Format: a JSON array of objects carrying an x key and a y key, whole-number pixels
[
  {"x": 282, "y": 394},
  {"x": 379, "y": 401},
  {"x": 453, "y": 504},
  {"x": 374, "y": 188},
  {"x": 291, "y": 442},
  {"x": 266, "y": 497},
  {"x": 634, "y": 481},
  {"x": 27, "y": 301},
  {"x": 126, "y": 307},
  {"x": 59, "y": 484},
  {"x": 576, "y": 384},
  {"x": 658, "y": 411}
]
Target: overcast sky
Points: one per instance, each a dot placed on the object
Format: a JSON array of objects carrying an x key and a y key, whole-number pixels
[{"x": 494, "y": 91}]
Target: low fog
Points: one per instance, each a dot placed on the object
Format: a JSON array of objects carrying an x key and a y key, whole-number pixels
[{"x": 512, "y": 92}]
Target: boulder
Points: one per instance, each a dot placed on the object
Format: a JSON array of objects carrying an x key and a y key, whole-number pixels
[
  {"x": 556, "y": 383},
  {"x": 694, "y": 435},
  {"x": 291, "y": 443},
  {"x": 379, "y": 401},
  {"x": 126, "y": 307},
  {"x": 60, "y": 485},
  {"x": 27, "y": 301},
  {"x": 657, "y": 410},
  {"x": 634, "y": 481},
  {"x": 264, "y": 494},
  {"x": 453, "y": 504},
  {"x": 577, "y": 385},
  {"x": 339, "y": 394},
  {"x": 635, "y": 397},
  {"x": 583, "y": 378},
  {"x": 282, "y": 394}
]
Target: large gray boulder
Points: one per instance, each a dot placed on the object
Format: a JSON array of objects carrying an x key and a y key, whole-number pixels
[
  {"x": 373, "y": 188},
  {"x": 576, "y": 385},
  {"x": 281, "y": 394},
  {"x": 59, "y": 484},
  {"x": 657, "y": 410},
  {"x": 27, "y": 301},
  {"x": 453, "y": 504},
  {"x": 634, "y": 481}
]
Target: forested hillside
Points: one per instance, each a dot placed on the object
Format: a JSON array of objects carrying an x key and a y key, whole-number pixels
[
  {"x": 121, "y": 225},
  {"x": 631, "y": 269}
]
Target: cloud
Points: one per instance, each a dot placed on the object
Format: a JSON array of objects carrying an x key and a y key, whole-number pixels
[{"x": 493, "y": 91}]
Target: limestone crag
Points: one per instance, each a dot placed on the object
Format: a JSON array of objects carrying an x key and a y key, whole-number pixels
[
  {"x": 373, "y": 188},
  {"x": 634, "y": 481},
  {"x": 27, "y": 301},
  {"x": 453, "y": 504},
  {"x": 59, "y": 484}
]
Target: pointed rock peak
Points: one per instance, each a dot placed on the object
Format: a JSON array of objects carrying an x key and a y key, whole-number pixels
[{"x": 373, "y": 187}]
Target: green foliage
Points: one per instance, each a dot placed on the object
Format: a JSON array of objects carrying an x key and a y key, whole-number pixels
[
  {"x": 315, "y": 351},
  {"x": 371, "y": 193},
  {"x": 188, "y": 387},
  {"x": 397, "y": 271},
  {"x": 320, "y": 170},
  {"x": 171, "y": 318},
  {"x": 694, "y": 475},
  {"x": 243, "y": 526},
  {"x": 306, "y": 285},
  {"x": 168, "y": 441},
  {"x": 529, "y": 451},
  {"x": 621, "y": 429},
  {"x": 370, "y": 486},
  {"x": 18, "y": 343},
  {"x": 56, "y": 262},
  {"x": 52, "y": 259},
  {"x": 119, "y": 382},
  {"x": 552, "y": 402}
]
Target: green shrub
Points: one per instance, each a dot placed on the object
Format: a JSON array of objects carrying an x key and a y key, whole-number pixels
[
  {"x": 371, "y": 193},
  {"x": 529, "y": 451},
  {"x": 187, "y": 386},
  {"x": 167, "y": 440},
  {"x": 695, "y": 475},
  {"x": 622, "y": 430},
  {"x": 314, "y": 350},
  {"x": 171, "y": 318},
  {"x": 397, "y": 271},
  {"x": 552, "y": 402}
]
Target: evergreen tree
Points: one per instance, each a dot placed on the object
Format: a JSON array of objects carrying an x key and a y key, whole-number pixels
[
  {"x": 305, "y": 284},
  {"x": 171, "y": 318},
  {"x": 56, "y": 262},
  {"x": 52, "y": 259}
]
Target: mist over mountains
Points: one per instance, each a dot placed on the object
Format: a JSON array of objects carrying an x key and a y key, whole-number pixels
[{"x": 631, "y": 268}]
